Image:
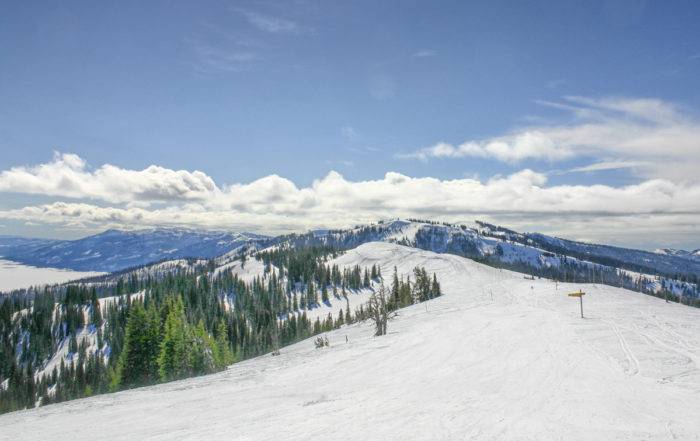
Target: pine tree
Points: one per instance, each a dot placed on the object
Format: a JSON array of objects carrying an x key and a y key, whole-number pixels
[
  {"x": 72, "y": 344},
  {"x": 224, "y": 355},
  {"x": 395, "y": 300},
  {"x": 201, "y": 351},
  {"x": 435, "y": 288},
  {"x": 96, "y": 313},
  {"x": 174, "y": 358},
  {"x": 311, "y": 295},
  {"x": 138, "y": 360},
  {"x": 341, "y": 319},
  {"x": 405, "y": 293}
]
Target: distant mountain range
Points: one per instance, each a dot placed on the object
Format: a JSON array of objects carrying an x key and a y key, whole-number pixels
[
  {"x": 9, "y": 242},
  {"x": 691, "y": 255},
  {"x": 115, "y": 250}
]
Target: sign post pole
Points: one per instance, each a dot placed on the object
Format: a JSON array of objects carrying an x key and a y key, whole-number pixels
[
  {"x": 580, "y": 299},
  {"x": 580, "y": 295}
]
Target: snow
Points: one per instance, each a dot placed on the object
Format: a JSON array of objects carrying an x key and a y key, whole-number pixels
[
  {"x": 247, "y": 271},
  {"x": 105, "y": 302},
  {"x": 15, "y": 275},
  {"x": 86, "y": 335},
  {"x": 404, "y": 231},
  {"x": 254, "y": 268},
  {"x": 497, "y": 357},
  {"x": 692, "y": 255},
  {"x": 334, "y": 305}
]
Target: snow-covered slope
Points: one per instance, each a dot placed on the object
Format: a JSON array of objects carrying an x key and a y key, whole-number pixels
[
  {"x": 254, "y": 268},
  {"x": 86, "y": 335},
  {"x": 484, "y": 240},
  {"x": 498, "y": 357},
  {"x": 115, "y": 250}
]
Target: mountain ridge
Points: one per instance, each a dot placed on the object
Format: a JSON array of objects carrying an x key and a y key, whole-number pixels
[{"x": 115, "y": 250}]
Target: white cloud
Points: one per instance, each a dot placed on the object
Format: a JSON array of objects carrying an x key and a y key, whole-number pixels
[
  {"x": 160, "y": 196},
  {"x": 68, "y": 175},
  {"x": 348, "y": 132},
  {"x": 424, "y": 53},
  {"x": 527, "y": 145},
  {"x": 271, "y": 24},
  {"x": 609, "y": 165},
  {"x": 661, "y": 135}
]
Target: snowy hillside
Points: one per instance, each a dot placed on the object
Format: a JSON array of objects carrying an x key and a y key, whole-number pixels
[
  {"x": 484, "y": 240},
  {"x": 536, "y": 254},
  {"x": 531, "y": 253},
  {"x": 254, "y": 268},
  {"x": 87, "y": 336},
  {"x": 115, "y": 250},
  {"x": 497, "y": 357}
]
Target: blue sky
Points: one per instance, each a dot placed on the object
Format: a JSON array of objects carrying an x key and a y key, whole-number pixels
[{"x": 244, "y": 90}]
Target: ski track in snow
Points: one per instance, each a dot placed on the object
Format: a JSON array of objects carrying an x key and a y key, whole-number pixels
[{"x": 522, "y": 365}]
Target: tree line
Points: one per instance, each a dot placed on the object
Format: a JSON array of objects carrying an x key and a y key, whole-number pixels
[{"x": 177, "y": 325}]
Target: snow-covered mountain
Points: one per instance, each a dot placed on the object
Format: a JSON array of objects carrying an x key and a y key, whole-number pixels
[
  {"x": 115, "y": 250},
  {"x": 533, "y": 253},
  {"x": 9, "y": 242},
  {"x": 487, "y": 241},
  {"x": 497, "y": 357},
  {"x": 692, "y": 255}
]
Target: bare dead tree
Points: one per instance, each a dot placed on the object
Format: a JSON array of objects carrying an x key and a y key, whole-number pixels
[{"x": 378, "y": 311}]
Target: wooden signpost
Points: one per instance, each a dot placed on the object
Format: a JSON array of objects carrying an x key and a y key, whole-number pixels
[{"x": 580, "y": 295}]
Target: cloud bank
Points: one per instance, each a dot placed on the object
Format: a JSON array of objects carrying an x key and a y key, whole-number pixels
[
  {"x": 67, "y": 175},
  {"x": 660, "y": 138},
  {"x": 110, "y": 196}
]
